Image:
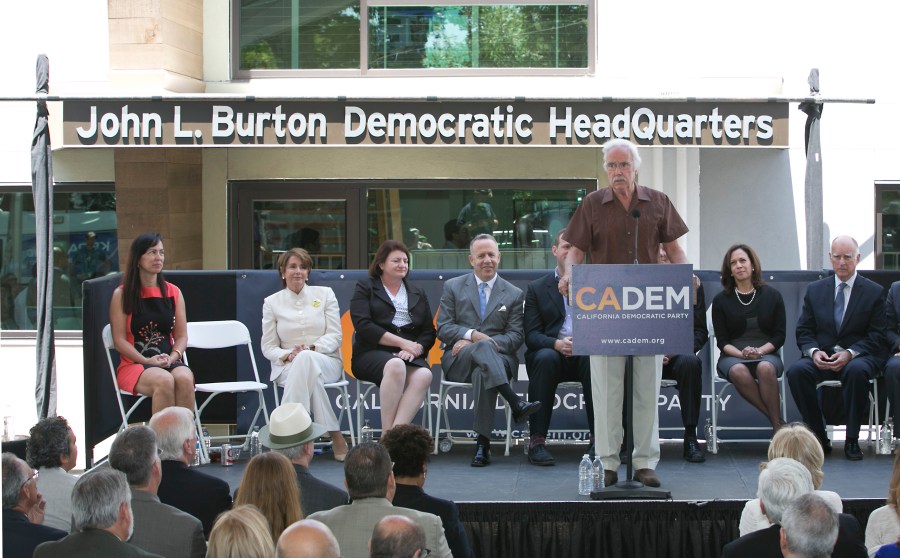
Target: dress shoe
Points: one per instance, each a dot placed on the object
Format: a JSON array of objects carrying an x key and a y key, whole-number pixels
[
  {"x": 825, "y": 442},
  {"x": 610, "y": 478},
  {"x": 524, "y": 409},
  {"x": 539, "y": 455},
  {"x": 852, "y": 451},
  {"x": 692, "y": 451},
  {"x": 482, "y": 456},
  {"x": 647, "y": 477}
]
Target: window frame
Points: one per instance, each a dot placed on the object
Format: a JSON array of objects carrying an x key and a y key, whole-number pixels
[
  {"x": 365, "y": 71},
  {"x": 882, "y": 186}
]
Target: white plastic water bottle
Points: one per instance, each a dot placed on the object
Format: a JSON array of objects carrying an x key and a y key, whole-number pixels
[
  {"x": 585, "y": 476},
  {"x": 886, "y": 440},
  {"x": 365, "y": 435},
  {"x": 599, "y": 480},
  {"x": 254, "y": 442}
]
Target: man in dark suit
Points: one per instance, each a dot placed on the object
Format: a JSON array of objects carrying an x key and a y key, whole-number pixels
[
  {"x": 480, "y": 328},
  {"x": 841, "y": 337},
  {"x": 548, "y": 353},
  {"x": 809, "y": 527},
  {"x": 158, "y": 527},
  {"x": 23, "y": 510},
  {"x": 291, "y": 432},
  {"x": 780, "y": 484},
  {"x": 101, "y": 512},
  {"x": 187, "y": 489},
  {"x": 892, "y": 333}
]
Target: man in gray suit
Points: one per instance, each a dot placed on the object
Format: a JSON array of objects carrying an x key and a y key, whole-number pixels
[
  {"x": 158, "y": 528},
  {"x": 101, "y": 511},
  {"x": 370, "y": 482},
  {"x": 480, "y": 328}
]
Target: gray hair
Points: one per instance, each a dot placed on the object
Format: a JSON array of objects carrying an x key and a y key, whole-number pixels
[
  {"x": 173, "y": 426},
  {"x": 396, "y": 536},
  {"x": 134, "y": 452},
  {"x": 367, "y": 469},
  {"x": 97, "y": 497},
  {"x": 14, "y": 476},
  {"x": 292, "y": 452},
  {"x": 780, "y": 483},
  {"x": 619, "y": 142},
  {"x": 482, "y": 236},
  {"x": 810, "y": 527}
]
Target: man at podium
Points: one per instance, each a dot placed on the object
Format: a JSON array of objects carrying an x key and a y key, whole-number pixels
[{"x": 604, "y": 226}]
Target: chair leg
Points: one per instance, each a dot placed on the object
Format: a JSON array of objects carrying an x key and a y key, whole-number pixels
[
  {"x": 346, "y": 395},
  {"x": 508, "y": 411}
]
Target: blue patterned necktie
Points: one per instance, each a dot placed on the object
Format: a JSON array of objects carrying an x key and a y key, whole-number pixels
[
  {"x": 482, "y": 297},
  {"x": 839, "y": 306}
]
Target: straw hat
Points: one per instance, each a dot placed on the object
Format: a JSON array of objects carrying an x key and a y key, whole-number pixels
[{"x": 289, "y": 426}]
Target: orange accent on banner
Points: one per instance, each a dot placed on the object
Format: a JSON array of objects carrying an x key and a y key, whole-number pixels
[{"x": 347, "y": 331}]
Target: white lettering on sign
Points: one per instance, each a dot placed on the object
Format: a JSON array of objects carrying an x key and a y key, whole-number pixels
[{"x": 499, "y": 124}]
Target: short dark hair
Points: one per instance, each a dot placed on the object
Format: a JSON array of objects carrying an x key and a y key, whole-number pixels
[
  {"x": 409, "y": 446},
  {"x": 134, "y": 452},
  {"x": 561, "y": 232},
  {"x": 367, "y": 469},
  {"x": 396, "y": 536},
  {"x": 306, "y": 261},
  {"x": 381, "y": 255},
  {"x": 451, "y": 227},
  {"x": 756, "y": 269},
  {"x": 48, "y": 439}
]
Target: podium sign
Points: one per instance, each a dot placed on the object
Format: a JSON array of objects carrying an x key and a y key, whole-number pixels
[{"x": 621, "y": 310}]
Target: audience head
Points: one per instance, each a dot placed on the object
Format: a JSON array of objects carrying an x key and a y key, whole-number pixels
[
  {"x": 101, "y": 499},
  {"x": 409, "y": 446},
  {"x": 134, "y": 453},
  {"x": 176, "y": 434},
  {"x": 19, "y": 484},
  {"x": 844, "y": 256},
  {"x": 291, "y": 432},
  {"x": 809, "y": 528},
  {"x": 381, "y": 256},
  {"x": 306, "y": 261},
  {"x": 242, "y": 532},
  {"x": 396, "y": 536},
  {"x": 367, "y": 472},
  {"x": 270, "y": 484},
  {"x": 307, "y": 538},
  {"x": 796, "y": 440},
  {"x": 780, "y": 483},
  {"x": 51, "y": 443},
  {"x": 735, "y": 251}
]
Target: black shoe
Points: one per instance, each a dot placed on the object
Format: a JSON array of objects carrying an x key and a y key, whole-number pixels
[
  {"x": 482, "y": 456},
  {"x": 852, "y": 451},
  {"x": 692, "y": 451},
  {"x": 647, "y": 477},
  {"x": 539, "y": 455},
  {"x": 824, "y": 442},
  {"x": 524, "y": 409}
]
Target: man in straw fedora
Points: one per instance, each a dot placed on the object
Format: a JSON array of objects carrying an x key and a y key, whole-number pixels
[{"x": 291, "y": 433}]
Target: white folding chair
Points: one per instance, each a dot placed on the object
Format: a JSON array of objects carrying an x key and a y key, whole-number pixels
[
  {"x": 874, "y": 418},
  {"x": 719, "y": 386},
  {"x": 341, "y": 387},
  {"x": 220, "y": 335},
  {"x": 110, "y": 346},
  {"x": 445, "y": 444}
]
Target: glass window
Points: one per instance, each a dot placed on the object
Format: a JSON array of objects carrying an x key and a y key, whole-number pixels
[
  {"x": 85, "y": 246},
  {"x": 887, "y": 218},
  {"x": 438, "y": 224},
  {"x": 319, "y": 227}
]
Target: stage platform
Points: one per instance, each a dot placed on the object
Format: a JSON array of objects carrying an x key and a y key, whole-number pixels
[{"x": 515, "y": 508}]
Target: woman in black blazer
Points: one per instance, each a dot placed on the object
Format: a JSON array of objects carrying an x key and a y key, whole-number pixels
[
  {"x": 394, "y": 332},
  {"x": 749, "y": 321}
]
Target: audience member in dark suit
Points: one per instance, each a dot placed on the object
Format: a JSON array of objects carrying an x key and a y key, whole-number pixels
[
  {"x": 841, "y": 337},
  {"x": 892, "y": 333},
  {"x": 410, "y": 447},
  {"x": 548, "y": 353},
  {"x": 809, "y": 527},
  {"x": 480, "y": 328},
  {"x": 158, "y": 527},
  {"x": 781, "y": 482},
  {"x": 102, "y": 520},
  {"x": 187, "y": 489},
  {"x": 23, "y": 510},
  {"x": 394, "y": 332},
  {"x": 687, "y": 371},
  {"x": 291, "y": 433}
]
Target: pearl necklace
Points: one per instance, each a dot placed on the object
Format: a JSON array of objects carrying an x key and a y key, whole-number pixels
[{"x": 739, "y": 293}]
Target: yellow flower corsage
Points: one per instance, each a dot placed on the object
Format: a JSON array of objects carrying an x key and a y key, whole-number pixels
[{"x": 317, "y": 303}]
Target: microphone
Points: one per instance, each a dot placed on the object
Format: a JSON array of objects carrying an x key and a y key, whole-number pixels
[{"x": 636, "y": 214}]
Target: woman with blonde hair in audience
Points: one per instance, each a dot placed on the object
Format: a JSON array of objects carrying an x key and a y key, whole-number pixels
[
  {"x": 798, "y": 442},
  {"x": 270, "y": 484},
  {"x": 883, "y": 526},
  {"x": 242, "y": 532}
]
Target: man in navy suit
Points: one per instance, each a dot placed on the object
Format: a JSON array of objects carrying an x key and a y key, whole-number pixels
[
  {"x": 840, "y": 334},
  {"x": 548, "y": 352},
  {"x": 23, "y": 510}
]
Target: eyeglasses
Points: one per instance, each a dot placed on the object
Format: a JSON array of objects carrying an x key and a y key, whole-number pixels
[
  {"x": 33, "y": 477},
  {"x": 625, "y": 165}
]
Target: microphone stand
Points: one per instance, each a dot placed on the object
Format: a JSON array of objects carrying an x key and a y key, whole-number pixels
[{"x": 630, "y": 489}]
